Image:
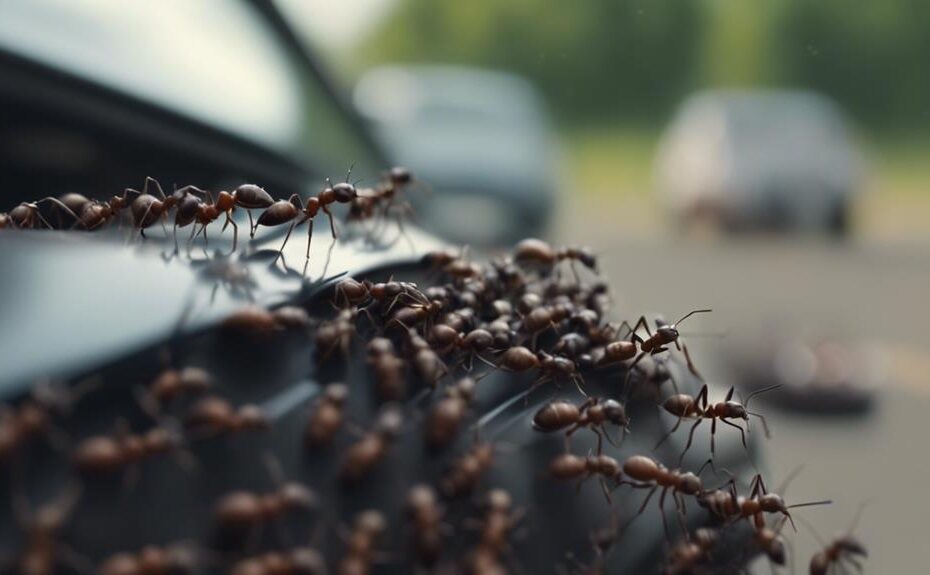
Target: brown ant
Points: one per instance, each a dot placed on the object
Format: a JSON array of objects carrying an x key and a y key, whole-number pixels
[
  {"x": 147, "y": 209},
  {"x": 365, "y": 454},
  {"x": 172, "y": 384},
  {"x": 466, "y": 471},
  {"x": 446, "y": 417},
  {"x": 388, "y": 369},
  {"x": 43, "y": 551},
  {"x": 426, "y": 362},
  {"x": 336, "y": 334},
  {"x": 256, "y": 320},
  {"x": 326, "y": 416},
  {"x": 151, "y": 560},
  {"x": 730, "y": 506},
  {"x": 106, "y": 454},
  {"x": 27, "y": 215},
  {"x": 570, "y": 466},
  {"x": 214, "y": 416},
  {"x": 368, "y": 528},
  {"x": 34, "y": 416},
  {"x": 499, "y": 521},
  {"x": 684, "y": 557},
  {"x": 93, "y": 214},
  {"x": 593, "y": 414},
  {"x": 648, "y": 473},
  {"x": 445, "y": 339},
  {"x": 241, "y": 512},
  {"x": 552, "y": 367},
  {"x": 247, "y": 196},
  {"x": 842, "y": 548},
  {"x": 657, "y": 343},
  {"x": 534, "y": 253},
  {"x": 685, "y": 406},
  {"x": 351, "y": 292},
  {"x": 425, "y": 516},
  {"x": 296, "y": 561}
]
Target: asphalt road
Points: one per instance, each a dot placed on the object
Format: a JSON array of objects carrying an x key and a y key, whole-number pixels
[{"x": 858, "y": 290}]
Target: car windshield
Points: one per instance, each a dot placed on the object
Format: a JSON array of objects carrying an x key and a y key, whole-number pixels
[{"x": 215, "y": 61}]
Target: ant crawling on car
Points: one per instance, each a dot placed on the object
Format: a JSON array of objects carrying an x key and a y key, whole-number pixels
[
  {"x": 658, "y": 342},
  {"x": 698, "y": 408}
]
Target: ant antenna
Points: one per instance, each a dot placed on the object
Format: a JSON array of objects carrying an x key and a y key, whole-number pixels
[
  {"x": 758, "y": 391},
  {"x": 691, "y": 313}
]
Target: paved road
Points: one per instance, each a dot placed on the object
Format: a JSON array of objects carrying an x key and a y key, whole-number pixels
[{"x": 860, "y": 290}]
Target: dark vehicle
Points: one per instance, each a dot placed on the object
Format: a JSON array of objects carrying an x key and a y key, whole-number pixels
[{"x": 88, "y": 110}]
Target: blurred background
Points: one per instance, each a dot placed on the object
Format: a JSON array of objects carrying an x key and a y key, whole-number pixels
[{"x": 769, "y": 160}]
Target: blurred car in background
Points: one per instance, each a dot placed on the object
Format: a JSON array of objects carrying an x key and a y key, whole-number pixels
[
  {"x": 772, "y": 160},
  {"x": 482, "y": 140}
]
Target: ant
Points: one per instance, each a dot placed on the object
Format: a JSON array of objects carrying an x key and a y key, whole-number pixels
[
  {"x": 147, "y": 210},
  {"x": 336, "y": 333},
  {"x": 43, "y": 551},
  {"x": 593, "y": 414},
  {"x": 35, "y": 416},
  {"x": 843, "y": 548},
  {"x": 616, "y": 352},
  {"x": 685, "y": 556},
  {"x": 465, "y": 471},
  {"x": 296, "y": 561},
  {"x": 172, "y": 384},
  {"x": 445, "y": 338},
  {"x": 257, "y": 320},
  {"x": 365, "y": 454},
  {"x": 94, "y": 214},
  {"x": 499, "y": 521},
  {"x": 650, "y": 474},
  {"x": 214, "y": 416},
  {"x": 570, "y": 466},
  {"x": 27, "y": 215},
  {"x": 352, "y": 292},
  {"x": 241, "y": 512},
  {"x": 730, "y": 506},
  {"x": 446, "y": 417},
  {"x": 535, "y": 253},
  {"x": 520, "y": 359},
  {"x": 326, "y": 416},
  {"x": 426, "y": 362},
  {"x": 425, "y": 516},
  {"x": 151, "y": 560},
  {"x": 247, "y": 196},
  {"x": 124, "y": 450},
  {"x": 389, "y": 369},
  {"x": 657, "y": 343},
  {"x": 685, "y": 406},
  {"x": 368, "y": 528}
]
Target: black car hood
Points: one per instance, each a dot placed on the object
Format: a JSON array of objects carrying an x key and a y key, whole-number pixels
[{"x": 69, "y": 301}]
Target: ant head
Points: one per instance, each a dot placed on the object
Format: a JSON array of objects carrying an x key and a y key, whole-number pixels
[
  {"x": 772, "y": 503},
  {"x": 587, "y": 258},
  {"x": 390, "y": 422},
  {"x": 615, "y": 412},
  {"x": 371, "y": 521},
  {"x": 736, "y": 410},
  {"x": 690, "y": 484},
  {"x": 498, "y": 500},
  {"x": 850, "y": 544},
  {"x": 667, "y": 333},
  {"x": 344, "y": 192},
  {"x": 400, "y": 176},
  {"x": 337, "y": 393}
]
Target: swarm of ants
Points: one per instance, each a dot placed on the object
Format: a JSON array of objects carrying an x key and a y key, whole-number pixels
[{"x": 540, "y": 313}]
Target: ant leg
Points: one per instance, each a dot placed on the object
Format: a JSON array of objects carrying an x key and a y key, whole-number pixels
[
  {"x": 765, "y": 425},
  {"x": 645, "y": 503},
  {"x": 730, "y": 393},
  {"x": 741, "y": 432},
  {"x": 702, "y": 397},
  {"x": 577, "y": 380},
  {"x": 682, "y": 511},
  {"x": 662, "y": 512},
  {"x": 600, "y": 440},
  {"x": 151, "y": 180},
  {"x": 309, "y": 235},
  {"x": 332, "y": 225},
  {"x": 690, "y": 439},
  {"x": 284, "y": 243},
  {"x": 252, "y": 226},
  {"x": 629, "y": 371},
  {"x": 671, "y": 431},
  {"x": 688, "y": 362},
  {"x": 713, "y": 434},
  {"x": 229, "y": 220},
  {"x": 605, "y": 490}
]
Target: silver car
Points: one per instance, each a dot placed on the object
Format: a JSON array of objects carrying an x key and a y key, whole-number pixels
[{"x": 759, "y": 160}]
